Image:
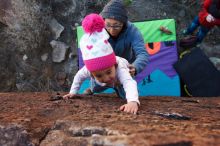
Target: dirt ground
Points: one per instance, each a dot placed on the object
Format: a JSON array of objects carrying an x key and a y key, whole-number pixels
[{"x": 192, "y": 121}]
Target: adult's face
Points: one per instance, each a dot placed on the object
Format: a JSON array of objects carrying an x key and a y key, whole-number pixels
[{"x": 113, "y": 27}]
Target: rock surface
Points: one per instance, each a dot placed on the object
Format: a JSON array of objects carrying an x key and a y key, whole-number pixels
[{"x": 96, "y": 120}]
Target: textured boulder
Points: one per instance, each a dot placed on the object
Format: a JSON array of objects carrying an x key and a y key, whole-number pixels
[
  {"x": 13, "y": 135},
  {"x": 29, "y": 63},
  {"x": 96, "y": 120}
]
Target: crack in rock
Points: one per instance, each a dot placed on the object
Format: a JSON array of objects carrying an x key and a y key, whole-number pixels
[{"x": 71, "y": 132}]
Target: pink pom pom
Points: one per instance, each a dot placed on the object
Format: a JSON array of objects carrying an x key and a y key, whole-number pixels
[{"x": 92, "y": 23}]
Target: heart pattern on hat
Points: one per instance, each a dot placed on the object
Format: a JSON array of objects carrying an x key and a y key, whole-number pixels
[
  {"x": 89, "y": 47},
  {"x": 106, "y": 42}
]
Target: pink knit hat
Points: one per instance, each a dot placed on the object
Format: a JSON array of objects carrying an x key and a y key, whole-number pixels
[{"x": 97, "y": 52}]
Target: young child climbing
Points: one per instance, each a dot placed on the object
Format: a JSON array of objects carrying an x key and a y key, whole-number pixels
[
  {"x": 102, "y": 66},
  {"x": 209, "y": 16}
]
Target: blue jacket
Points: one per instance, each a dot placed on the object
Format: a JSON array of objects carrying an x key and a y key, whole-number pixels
[{"x": 130, "y": 45}]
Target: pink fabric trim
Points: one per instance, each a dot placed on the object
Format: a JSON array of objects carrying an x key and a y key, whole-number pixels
[{"x": 100, "y": 63}]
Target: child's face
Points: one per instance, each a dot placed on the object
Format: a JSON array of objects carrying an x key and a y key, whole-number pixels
[{"x": 105, "y": 76}]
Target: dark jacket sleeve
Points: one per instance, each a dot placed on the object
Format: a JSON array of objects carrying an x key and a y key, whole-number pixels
[{"x": 138, "y": 46}]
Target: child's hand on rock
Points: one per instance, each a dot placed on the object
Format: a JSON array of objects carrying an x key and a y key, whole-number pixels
[
  {"x": 68, "y": 96},
  {"x": 130, "y": 107}
]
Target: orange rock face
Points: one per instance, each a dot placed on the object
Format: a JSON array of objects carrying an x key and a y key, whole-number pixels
[{"x": 87, "y": 120}]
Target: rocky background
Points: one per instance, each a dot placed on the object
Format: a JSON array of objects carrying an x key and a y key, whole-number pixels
[{"x": 38, "y": 48}]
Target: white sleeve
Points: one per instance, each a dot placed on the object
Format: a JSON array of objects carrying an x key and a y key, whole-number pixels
[
  {"x": 80, "y": 76},
  {"x": 129, "y": 84}
]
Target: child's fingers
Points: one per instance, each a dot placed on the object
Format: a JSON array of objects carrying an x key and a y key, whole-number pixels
[
  {"x": 127, "y": 109},
  {"x": 135, "y": 111},
  {"x": 132, "y": 110},
  {"x": 122, "y": 108},
  {"x": 66, "y": 97}
]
